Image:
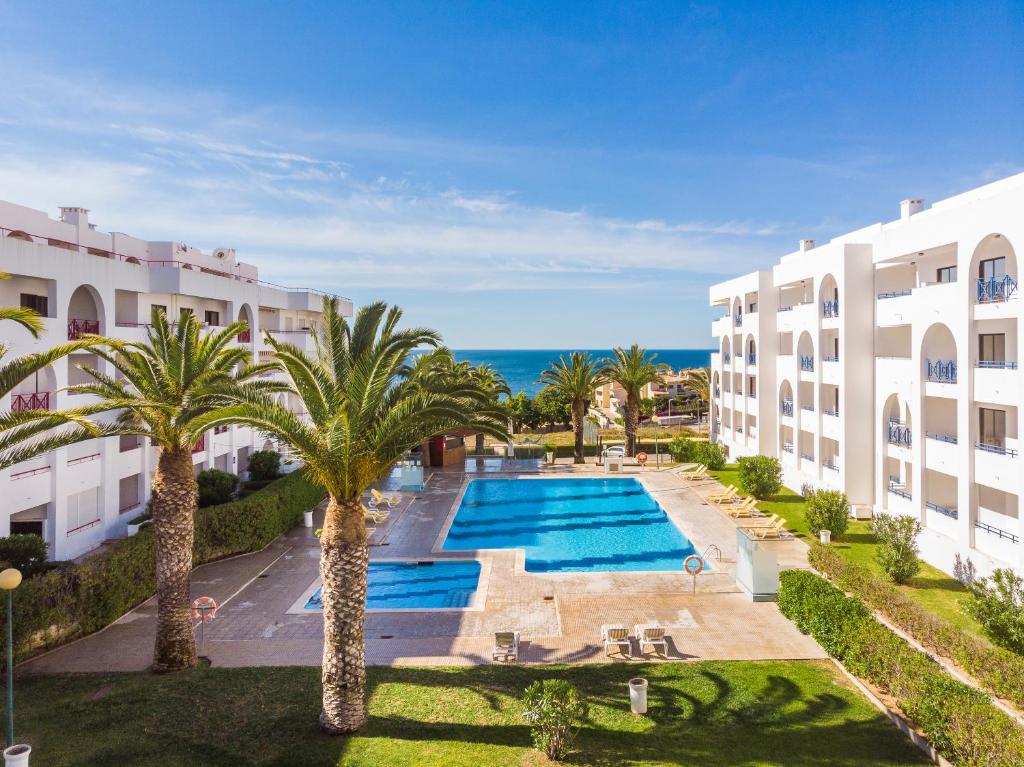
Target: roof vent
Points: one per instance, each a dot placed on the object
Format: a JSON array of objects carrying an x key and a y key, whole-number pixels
[
  {"x": 74, "y": 215},
  {"x": 806, "y": 245},
  {"x": 909, "y": 207}
]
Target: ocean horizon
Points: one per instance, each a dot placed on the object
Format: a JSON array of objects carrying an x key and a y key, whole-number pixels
[{"x": 522, "y": 367}]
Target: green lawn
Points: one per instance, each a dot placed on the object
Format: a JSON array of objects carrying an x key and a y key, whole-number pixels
[
  {"x": 773, "y": 713},
  {"x": 931, "y": 588}
]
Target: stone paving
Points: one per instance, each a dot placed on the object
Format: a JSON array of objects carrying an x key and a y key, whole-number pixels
[{"x": 558, "y": 614}]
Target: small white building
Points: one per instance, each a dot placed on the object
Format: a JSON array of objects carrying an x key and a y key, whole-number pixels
[
  {"x": 886, "y": 363},
  {"x": 82, "y": 280}
]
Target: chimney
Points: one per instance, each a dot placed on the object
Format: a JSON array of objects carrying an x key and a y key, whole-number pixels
[
  {"x": 909, "y": 207},
  {"x": 75, "y": 216},
  {"x": 806, "y": 245}
]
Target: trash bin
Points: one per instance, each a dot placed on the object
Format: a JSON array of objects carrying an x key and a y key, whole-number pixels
[
  {"x": 17, "y": 755},
  {"x": 825, "y": 536},
  {"x": 307, "y": 519},
  {"x": 638, "y": 695}
]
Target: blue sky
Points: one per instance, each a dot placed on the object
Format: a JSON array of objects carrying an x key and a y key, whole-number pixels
[{"x": 516, "y": 175}]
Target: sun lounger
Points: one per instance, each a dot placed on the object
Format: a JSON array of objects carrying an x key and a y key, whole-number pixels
[
  {"x": 773, "y": 530},
  {"x": 744, "y": 508},
  {"x": 384, "y": 500},
  {"x": 728, "y": 494},
  {"x": 701, "y": 472},
  {"x": 651, "y": 635},
  {"x": 689, "y": 469},
  {"x": 506, "y": 646},
  {"x": 616, "y": 636}
]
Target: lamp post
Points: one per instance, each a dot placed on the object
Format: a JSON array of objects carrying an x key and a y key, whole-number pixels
[{"x": 10, "y": 579}]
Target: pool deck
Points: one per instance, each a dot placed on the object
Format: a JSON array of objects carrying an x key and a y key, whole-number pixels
[{"x": 559, "y": 615}]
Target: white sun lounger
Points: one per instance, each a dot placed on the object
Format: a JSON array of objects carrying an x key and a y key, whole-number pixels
[
  {"x": 651, "y": 635},
  {"x": 616, "y": 636},
  {"x": 506, "y": 646}
]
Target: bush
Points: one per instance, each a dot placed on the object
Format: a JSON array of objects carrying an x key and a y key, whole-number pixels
[
  {"x": 760, "y": 476},
  {"x": 897, "y": 550},
  {"x": 827, "y": 510},
  {"x": 959, "y": 721},
  {"x": 556, "y": 711},
  {"x": 264, "y": 465},
  {"x": 215, "y": 486},
  {"x": 997, "y": 603},
  {"x": 999, "y": 671},
  {"x": 60, "y": 605},
  {"x": 710, "y": 454},
  {"x": 681, "y": 449},
  {"x": 23, "y": 551}
]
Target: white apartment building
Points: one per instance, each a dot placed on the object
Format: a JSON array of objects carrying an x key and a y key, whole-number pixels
[
  {"x": 886, "y": 363},
  {"x": 82, "y": 280}
]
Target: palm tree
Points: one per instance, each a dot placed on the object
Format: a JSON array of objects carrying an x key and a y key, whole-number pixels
[
  {"x": 576, "y": 378},
  {"x": 493, "y": 385},
  {"x": 698, "y": 383},
  {"x": 172, "y": 389},
  {"x": 633, "y": 369},
  {"x": 367, "y": 407}
]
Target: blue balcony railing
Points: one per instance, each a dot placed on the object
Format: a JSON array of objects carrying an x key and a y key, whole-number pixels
[
  {"x": 950, "y": 438},
  {"x": 738, "y": 320},
  {"x": 807, "y": 363},
  {"x": 808, "y": 408},
  {"x": 899, "y": 434},
  {"x": 751, "y": 359},
  {"x": 785, "y": 308},
  {"x": 894, "y": 293},
  {"x": 996, "y": 289},
  {"x": 902, "y": 492},
  {"x": 831, "y": 465},
  {"x": 944, "y": 510},
  {"x": 830, "y": 308},
  {"x": 726, "y": 357},
  {"x": 830, "y": 359},
  {"x": 1000, "y": 449},
  {"x": 807, "y": 457},
  {"x": 831, "y": 412},
  {"x": 996, "y": 531},
  {"x": 940, "y": 371},
  {"x": 996, "y": 364},
  {"x": 787, "y": 407}
]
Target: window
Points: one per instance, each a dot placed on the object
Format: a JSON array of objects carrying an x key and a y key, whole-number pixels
[
  {"x": 38, "y": 304},
  {"x": 159, "y": 307},
  {"x": 946, "y": 274},
  {"x": 752, "y": 387},
  {"x": 212, "y": 318},
  {"x": 992, "y": 427},
  {"x": 992, "y": 269},
  {"x": 992, "y": 347},
  {"x": 83, "y": 510}
]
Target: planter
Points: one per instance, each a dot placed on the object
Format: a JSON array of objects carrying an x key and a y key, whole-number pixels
[
  {"x": 549, "y": 456},
  {"x": 133, "y": 529},
  {"x": 638, "y": 695},
  {"x": 307, "y": 519},
  {"x": 825, "y": 536},
  {"x": 17, "y": 755}
]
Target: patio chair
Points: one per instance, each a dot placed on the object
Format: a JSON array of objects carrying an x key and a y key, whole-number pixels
[
  {"x": 651, "y": 635},
  {"x": 376, "y": 514},
  {"x": 506, "y": 646},
  {"x": 616, "y": 636},
  {"x": 384, "y": 500},
  {"x": 774, "y": 530},
  {"x": 745, "y": 508},
  {"x": 725, "y": 495},
  {"x": 700, "y": 472}
]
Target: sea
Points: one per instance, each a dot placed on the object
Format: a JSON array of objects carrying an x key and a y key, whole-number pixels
[{"x": 522, "y": 367}]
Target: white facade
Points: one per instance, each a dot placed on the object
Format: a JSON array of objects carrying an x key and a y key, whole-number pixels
[
  {"x": 889, "y": 367},
  {"x": 83, "y": 280}
]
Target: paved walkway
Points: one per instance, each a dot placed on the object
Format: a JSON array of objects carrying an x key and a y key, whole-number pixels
[{"x": 558, "y": 614}]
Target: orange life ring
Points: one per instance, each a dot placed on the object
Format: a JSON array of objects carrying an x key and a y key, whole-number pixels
[
  {"x": 641, "y": 458},
  {"x": 693, "y": 565},
  {"x": 204, "y": 609}
]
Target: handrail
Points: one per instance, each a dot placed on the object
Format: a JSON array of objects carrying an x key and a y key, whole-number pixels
[
  {"x": 893, "y": 293},
  {"x": 940, "y": 371},
  {"x": 996, "y": 531},
  {"x": 30, "y": 472},
  {"x": 83, "y": 459},
  {"x": 995, "y": 289},
  {"x": 996, "y": 364},
  {"x": 944, "y": 510},
  {"x": 712, "y": 548},
  {"x": 807, "y": 363},
  {"x": 39, "y": 400},
  {"x": 900, "y": 492},
  {"x": 999, "y": 449},
  {"x": 899, "y": 434},
  {"x": 831, "y": 308},
  {"x": 950, "y": 438},
  {"x": 87, "y": 525}
]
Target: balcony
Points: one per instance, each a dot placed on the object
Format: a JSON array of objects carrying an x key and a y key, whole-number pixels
[
  {"x": 998, "y": 449},
  {"x": 995, "y": 289},
  {"x": 830, "y": 309},
  {"x": 245, "y": 337},
  {"x": 738, "y": 320},
  {"x": 899, "y": 434},
  {"x": 996, "y": 381},
  {"x": 947, "y": 438},
  {"x": 995, "y": 465},
  {"x": 940, "y": 371},
  {"x": 78, "y": 328},
  {"x": 21, "y": 403},
  {"x": 884, "y": 296},
  {"x": 943, "y": 510},
  {"x": 726, "y": 358},
  {"x": 786, "y": 408},
  {"x": 831, "y": 464},
  {"x": 893, "y": 308},
  {"x": 751, "y": 359},
  {"x": 807, "y": 363}
]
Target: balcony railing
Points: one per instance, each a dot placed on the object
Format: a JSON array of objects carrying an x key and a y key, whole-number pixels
[
  {"x": 220, "y": 429},
  {"x": 718, "y": 392},
  {"x": 996, "y": 531},
  {"x": 751, "y": 359},
  {"x": 738, "y": 320},
  {"x": 996, "y": 364},
  {"x": 245, "y": 337},
  {"x": 999, "y": 449},
  {"x": 39, "y": 400},
  {"x": 950, "y": 438},
  {"x": 899, "y": 434},
  {"x": 830, "y": 359},
  {"x": 831, "y": 465},
  {"x": 807, "y": 363},
  {"x": 996, "y": 289},
  {"x": 830, "y": 308},
  {"x": 78, "y": 328},
  {"x": 785, "y": 308},
  {"x": 200, "y": 445},
  {"x": 807, "y": 457},
  {"x": 902, "y": 492},
  {"x": 940, "y": 371},
  {"x": 788, "y": 447},
  {"x": 894, "y": 293},
  {"x": 831, "y": 412},
  {"x": 29, "y": 472},
  {"x": 726, "y": 357},
  {"x": 944, "y": 510},
  {"x": 786, "y": 407}
]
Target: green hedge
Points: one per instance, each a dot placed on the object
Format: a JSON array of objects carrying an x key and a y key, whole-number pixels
[
  {"x": 959, "y": 721},
  {"x": 61, "y": 605},
  {"x": 566, "y": 451},
  {"x": 999, "y": 671}
]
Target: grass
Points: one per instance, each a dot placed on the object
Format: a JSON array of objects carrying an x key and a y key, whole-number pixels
[
  {"x": 769, "y": 713},
  {"x": 931, "y": 588}
]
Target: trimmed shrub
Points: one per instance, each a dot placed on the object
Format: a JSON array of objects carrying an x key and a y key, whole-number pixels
[
  {"x": 264, "y": 465},
  {"x": 710, "y": 454},
  {"x": 827, "y": 510},
  {"x": 23, "y": 551},
  {"x": 897, "y": 550},
  {"x": 999, "y": 671},
  {"x": 959, "y": 721},
  {"x": 63, "y": 604},
  {"x": 681, "y": 449},
  {"x": 215, "y": 486},
  {"x": 556, "y": 711},
  {"x": 997, "y": 603},
  {"x": 760, "y": 475}
]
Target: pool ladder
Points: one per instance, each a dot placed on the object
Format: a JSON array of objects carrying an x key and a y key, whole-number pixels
[{"x": 712, "y": 549}]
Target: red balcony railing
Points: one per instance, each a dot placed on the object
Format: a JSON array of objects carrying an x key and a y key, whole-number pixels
[
  {"x": 200, "y": 446},
  {"x": 39, "y": 400},
  {"x": 245, "y": 337},
  {"x": 77, "y": 328}
]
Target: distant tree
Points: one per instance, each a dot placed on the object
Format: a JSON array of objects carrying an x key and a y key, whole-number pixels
[
  {"x": 697, "y": 383},
  {"x": 554, "y": 406},
  {"x": 576, "y": 377},
  {"x": 522, "y": 412},
  {"x": 633, "y": 369}
]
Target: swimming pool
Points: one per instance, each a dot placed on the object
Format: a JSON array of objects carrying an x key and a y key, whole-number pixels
[
  {"x": 429, "y": 585},
  {"x": 569, "y": 525}
]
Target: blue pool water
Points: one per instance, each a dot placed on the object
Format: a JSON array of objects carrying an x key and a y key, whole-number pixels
[
  {"x": 416, "y": 585},
  {"x": 569, "y": 525}
]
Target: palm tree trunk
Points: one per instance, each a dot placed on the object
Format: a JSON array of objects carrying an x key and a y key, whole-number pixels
[
  {"x": 174, "y": 508},
  {"x": 632, "y": 417},
  {"x": 578, "y": 414},
  {"x": 344, "y": 557},
  {"x": 479, "y": 444}
]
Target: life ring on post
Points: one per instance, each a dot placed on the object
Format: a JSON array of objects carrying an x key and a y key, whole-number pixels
[
  {"x": 693, "y": 565},
  {"x": 204, "y": 609},
  {"x": 641, "y": 458}
]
